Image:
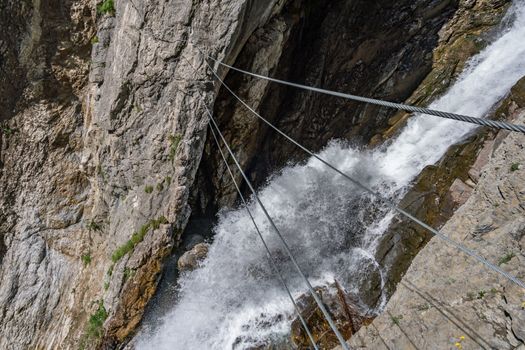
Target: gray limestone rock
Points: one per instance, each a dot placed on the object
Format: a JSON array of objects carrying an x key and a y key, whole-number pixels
[{"x": 104, "y": 140}]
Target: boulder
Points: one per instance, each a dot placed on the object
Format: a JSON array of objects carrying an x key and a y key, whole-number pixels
[{"x": 191, "y": 259}]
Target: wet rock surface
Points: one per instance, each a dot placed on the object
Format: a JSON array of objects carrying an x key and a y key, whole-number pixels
[
  {"x": 347, "y": 312},
  {"x": 191, "y": 259}
]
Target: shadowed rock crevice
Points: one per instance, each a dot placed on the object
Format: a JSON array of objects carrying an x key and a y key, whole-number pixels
[
  {"x": 384, "y": 54},
  {"x": 382, "y": 50},
  {"x": 14, "y": 18},
  {"x": 2, "y": 247}
]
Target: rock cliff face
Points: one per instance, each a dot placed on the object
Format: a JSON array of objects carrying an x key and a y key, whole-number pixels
[
  {"x": 96, "y": 168},
  {"x": 44, "y": 63},
  {"x": 463, "y": 304},
  {"x": 440, "y": 189},
  {"x": 103, "y": 130}
]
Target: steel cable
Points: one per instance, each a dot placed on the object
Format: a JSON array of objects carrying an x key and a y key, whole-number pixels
[
  {"x": 273, "y": 264},
  {"x": 464, "y": 118},
  {"x": 387, "y": 201},
  {"x": 318, "y": 300}
]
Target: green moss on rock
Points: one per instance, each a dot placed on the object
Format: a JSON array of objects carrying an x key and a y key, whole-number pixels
[{"x": 136, "y": 238}]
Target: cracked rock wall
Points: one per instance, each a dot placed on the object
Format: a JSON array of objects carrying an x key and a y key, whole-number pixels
[{"x": 90, "y": 157}]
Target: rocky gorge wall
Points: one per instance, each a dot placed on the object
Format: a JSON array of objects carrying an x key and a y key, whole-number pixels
[
  {"x": 104, "y": 129},
  {"x": 463, "y": 304},
  {"x": 95, "y": 176}
]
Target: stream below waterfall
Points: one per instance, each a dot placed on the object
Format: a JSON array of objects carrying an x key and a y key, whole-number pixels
[{"x": 235, "y": 301}]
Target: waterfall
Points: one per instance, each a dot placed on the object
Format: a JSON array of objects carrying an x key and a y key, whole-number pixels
[{"x": 235, "y": 301}]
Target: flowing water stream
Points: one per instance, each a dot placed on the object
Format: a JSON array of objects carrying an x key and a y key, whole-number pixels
[{"x": 234, "y": 300}]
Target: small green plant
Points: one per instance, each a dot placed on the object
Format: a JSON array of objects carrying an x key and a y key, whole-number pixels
[
  {"x": 168, "y": 180},
  {"x": 481, "y": 294},
  {"x": 96, "y": 321},
  {"x": 122, "y": 250},
  {"x": 506, "y": 258},
  {"x": 106, "y": 7},
  {"x": 160, "y": 187},
  {"x": 137, "y": 108},
  {"x": 174, "y": 144},
  {"x": 155, "y": 224},
  {"x": 515, "y": 166},
  {"x": 86, "y": 259},
  {"x": 94, "y": 40},
  {"x": 128, "y": 273},
  {"x": 136, "y": 238},
  {"x": 106, "y": 285},
  {"x": 148, "y": 189},
  {"x": 94, "y": 226},
  {"x": 396, "y": 319},
  {"x": 6, "y": 130},
  {"x": 101, "y": 173},
  {"x": 110, "y": 270}
]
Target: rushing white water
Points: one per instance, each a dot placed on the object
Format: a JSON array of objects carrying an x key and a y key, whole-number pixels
[{"x": 234, "y": 300}]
